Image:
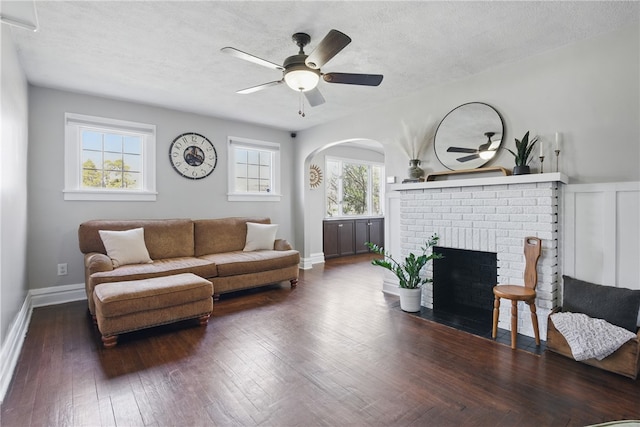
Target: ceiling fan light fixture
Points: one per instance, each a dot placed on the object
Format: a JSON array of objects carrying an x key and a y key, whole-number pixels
[
  {"x": 301, "y": 78},
  {"x": 487, "y": 154},
  {"x": 486, "y": 150}
]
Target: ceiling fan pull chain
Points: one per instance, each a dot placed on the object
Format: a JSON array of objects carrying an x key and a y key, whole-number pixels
[{"x": 301, "y": 109}]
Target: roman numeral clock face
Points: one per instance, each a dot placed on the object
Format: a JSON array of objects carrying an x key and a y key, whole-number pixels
[{"x": 193, "y": 155}]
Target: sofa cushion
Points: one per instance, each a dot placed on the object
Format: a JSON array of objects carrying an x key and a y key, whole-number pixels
[
  {"x": 260, "y": 236},
  {"x": 125, "y": 247},
  {"x": 240, "y": 262},
  {"x": 201, "y": 267},
  {"x": 165, "y": 238},
  {"x": 120, "y": 298},
  {"x": 214, "y": 236},
  {"x": 618, "y": 306}
]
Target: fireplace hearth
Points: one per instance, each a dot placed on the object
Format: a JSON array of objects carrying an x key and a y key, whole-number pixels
[{"x": 463, "y": 282}]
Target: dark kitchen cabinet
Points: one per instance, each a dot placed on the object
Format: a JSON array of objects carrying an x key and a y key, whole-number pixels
[
  {"x": 338, "y": 238},
  {"x": 368, "y": 230},
  {"x": 347, "y": 236}
]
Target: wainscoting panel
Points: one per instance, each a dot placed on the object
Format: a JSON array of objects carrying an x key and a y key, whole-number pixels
[
  {"x": 602, "y": 233},
  {"x": 628, "y": 241}
]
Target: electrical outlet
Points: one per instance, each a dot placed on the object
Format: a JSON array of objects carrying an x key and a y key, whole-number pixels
[{"x": 62, "y": 269}]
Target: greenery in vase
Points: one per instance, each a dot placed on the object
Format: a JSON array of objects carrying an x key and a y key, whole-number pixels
[
  {"x": 523, "y": 151},
  {"x": 408, "y": 272},
  {"x": 415, "y": 140}
]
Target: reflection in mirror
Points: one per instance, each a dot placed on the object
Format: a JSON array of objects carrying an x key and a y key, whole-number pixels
[{"x": 469, "y": 136}]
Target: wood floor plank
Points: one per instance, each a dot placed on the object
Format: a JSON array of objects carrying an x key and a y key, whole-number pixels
[
  {"x": 125, "y": 409},
  {"x": 333, "y": 351}
]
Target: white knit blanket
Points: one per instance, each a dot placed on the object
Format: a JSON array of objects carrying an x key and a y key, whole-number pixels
[{"x": 589, "y": 337}]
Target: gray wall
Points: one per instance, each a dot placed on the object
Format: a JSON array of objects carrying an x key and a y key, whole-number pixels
[
  {"x": 13, "y": 179},
  {"x": 588, "y": 91},
  {"x": 53, "y": 222}
]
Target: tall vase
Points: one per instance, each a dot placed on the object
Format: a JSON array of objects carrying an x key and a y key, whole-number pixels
[{"x": 415, "y": 171}]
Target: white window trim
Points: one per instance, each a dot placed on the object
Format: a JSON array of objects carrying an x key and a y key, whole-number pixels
[
  {"x": 361, "y": 162},
  {"x": 232, "y": 195},
  {"x": 73, "y": 155}
]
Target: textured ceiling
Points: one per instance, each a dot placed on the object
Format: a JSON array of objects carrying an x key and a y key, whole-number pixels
[{"x": 168, "y": 53}]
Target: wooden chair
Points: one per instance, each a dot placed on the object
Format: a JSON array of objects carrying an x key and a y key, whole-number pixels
[{"x": 515, "y": 293}]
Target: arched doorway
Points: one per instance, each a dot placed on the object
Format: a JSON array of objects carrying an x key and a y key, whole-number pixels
[{"x": 353, "y": 151}]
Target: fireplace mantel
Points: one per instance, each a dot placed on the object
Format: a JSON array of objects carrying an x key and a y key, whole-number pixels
[{"x": 461, "y": 181}]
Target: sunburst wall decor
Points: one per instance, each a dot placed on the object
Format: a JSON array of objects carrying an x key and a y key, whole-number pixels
[{"x": 315, "y": 176}]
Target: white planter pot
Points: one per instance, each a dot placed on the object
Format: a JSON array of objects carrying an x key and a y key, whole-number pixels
[{"x": 410, "y": 299}]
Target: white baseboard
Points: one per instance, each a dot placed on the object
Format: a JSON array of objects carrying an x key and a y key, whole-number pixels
[
  {"x": 12, "y": 344},
  {"x": 390, "y": 286},
  {"x": 57, "y": 295},
  {"x": 307, "y": 263}
]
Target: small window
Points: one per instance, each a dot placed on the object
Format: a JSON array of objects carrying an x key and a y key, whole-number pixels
[
  {"x": 254, "y": 170},
  {"x": 353, "y": 188},
  {"x": 107, "y": 159}
]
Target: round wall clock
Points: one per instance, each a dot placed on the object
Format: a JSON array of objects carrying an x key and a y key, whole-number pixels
[
  {"x": 315, "y": 176},
  {"x": 193, "y": 155}
]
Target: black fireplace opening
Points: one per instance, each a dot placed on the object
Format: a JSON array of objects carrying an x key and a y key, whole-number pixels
[{"x": 463, "y": 282}]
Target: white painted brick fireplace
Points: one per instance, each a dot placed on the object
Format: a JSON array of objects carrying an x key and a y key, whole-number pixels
[{"x": 491, "y": 215}]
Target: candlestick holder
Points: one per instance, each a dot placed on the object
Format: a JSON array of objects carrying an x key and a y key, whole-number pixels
[
  {"x": 541, "y": 164},
  {"x": 557, "y": 158}
]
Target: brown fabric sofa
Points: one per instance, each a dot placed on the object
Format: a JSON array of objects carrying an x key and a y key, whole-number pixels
[{"x": 209, "y": 248}]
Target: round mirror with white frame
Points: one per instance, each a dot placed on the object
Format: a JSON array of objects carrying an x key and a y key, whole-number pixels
[{"x": 469, "y": 136}]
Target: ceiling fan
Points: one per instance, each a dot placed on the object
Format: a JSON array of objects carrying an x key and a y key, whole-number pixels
[
  {"x": 302, "y": 73},
  {"x": 484, "y": 151}
]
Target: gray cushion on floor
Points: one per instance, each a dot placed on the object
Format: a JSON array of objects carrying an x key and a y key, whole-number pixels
[{"x": 618, "y": 306}]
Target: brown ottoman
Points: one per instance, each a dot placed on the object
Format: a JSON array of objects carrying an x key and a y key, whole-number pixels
[{"x": 137, "y": 304}]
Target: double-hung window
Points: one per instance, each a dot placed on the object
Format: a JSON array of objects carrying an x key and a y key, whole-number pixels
[
  {"x": 353, "y": 188},
  {"x": 254, "y": 170},
  {"x": 108, "y": 159}
]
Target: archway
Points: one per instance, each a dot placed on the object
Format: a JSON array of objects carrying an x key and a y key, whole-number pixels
[{"x": 314, "y": 197}]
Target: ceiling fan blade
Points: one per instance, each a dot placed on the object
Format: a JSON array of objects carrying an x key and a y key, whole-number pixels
[
  {"x": 314, "y": 97},
  {"x": 353, "y": 79},
  {"x": 251, "y": 58},
  {"x": 259, "y": 87},
  {"x": 329, "y": 47},
  {"x": 460, "y": 150},
  {"x": 484, "y": 147},
  {"x": 467, "y": 158}
]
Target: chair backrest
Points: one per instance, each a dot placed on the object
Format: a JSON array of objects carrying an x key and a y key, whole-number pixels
[{"x": 532, "y": 247}]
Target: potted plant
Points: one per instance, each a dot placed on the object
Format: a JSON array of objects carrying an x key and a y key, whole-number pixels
[
  {"x": 522, "y": 154},
  {"x": 408, "y": 272}
]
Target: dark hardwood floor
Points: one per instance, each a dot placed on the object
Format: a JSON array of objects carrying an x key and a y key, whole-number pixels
[{"x": 333, "y": 352}]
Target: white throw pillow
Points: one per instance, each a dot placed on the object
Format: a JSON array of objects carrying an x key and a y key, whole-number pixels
[
  {"x": 260, "y": 236},
  {"x": 125, "y": 247}
]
